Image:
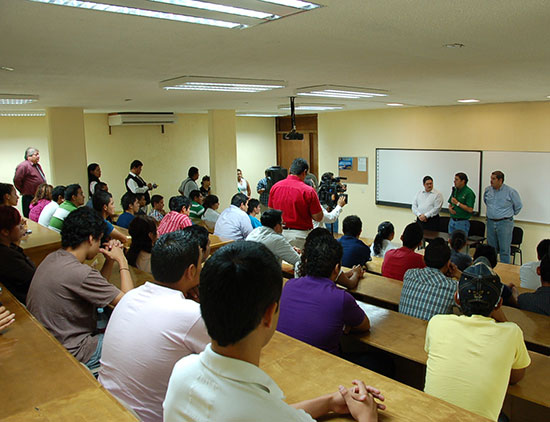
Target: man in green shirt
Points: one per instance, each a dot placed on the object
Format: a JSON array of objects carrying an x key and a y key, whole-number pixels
[
  {"x": 74, "y": 198},
  {"x": 461, "y": 204},
  {"x": 197, "y": 210}
]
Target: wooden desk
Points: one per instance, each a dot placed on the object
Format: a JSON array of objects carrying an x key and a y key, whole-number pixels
[
  {"x": 217, "y": 242},
  {"x": 404, "y": 336},
  {"x": 304, "y": 372},
  {"x": 375, "y": 265},
  {"x": 41, "y": 381},
  {"x": 40, "y": 242}
]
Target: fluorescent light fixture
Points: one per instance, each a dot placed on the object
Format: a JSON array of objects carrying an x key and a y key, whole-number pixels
[
  {"x": 253, "y": 114},
  {"x": 102, "y": 7},
  {"x": 298, "y": 4},
  {"x": 207, "y": 83},
  {"x": 470, "y": 100},
  {"x": 7, "y": 68},
  {"x": 6, "y": 113},
  {"x": 313, "y": 107},
  {"x": 214, "y": 7},
  {"x": 336, "y": 91},
  {"x": 16, "y": 99},
  {"x": 395, "y": 105}
]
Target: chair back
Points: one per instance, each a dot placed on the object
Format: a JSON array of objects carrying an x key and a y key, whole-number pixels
[
  {"x": 444, "y": 224},
  {"x": 517, "y": 236},
  {"x": 477, "y": 228}
]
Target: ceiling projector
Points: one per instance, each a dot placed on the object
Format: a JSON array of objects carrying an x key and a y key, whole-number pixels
[{"x": 293, "y": 135}]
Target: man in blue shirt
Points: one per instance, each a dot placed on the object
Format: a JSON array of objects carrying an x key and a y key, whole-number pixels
[
  {"x": 503, "y": 202},
  {"x": 355, "y": 251},
  {"x": 262, "y": 190}
]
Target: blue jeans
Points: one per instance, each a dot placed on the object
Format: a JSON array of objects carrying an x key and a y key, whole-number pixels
[
  {"x": 93, "y": 363},
  {"x": 499, "y": 236},
  {"x": 333, "y": 226},
  {"x": 463, "y": 225}
]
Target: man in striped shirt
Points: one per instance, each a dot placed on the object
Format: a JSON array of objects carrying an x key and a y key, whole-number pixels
[
  {"x": 74, "y": 198},
  {"x": 196, "y": 210},
  {"x": 430, "y": 291},
  {"x": 178, "y": 217}
]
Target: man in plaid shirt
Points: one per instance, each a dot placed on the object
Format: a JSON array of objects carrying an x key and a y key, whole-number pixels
[{"x": 430, "y": 291}]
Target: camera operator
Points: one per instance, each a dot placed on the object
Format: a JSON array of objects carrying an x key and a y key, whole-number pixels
[
  {"x": 329, "y": 217},
  {"x": 332, "y": 198}
]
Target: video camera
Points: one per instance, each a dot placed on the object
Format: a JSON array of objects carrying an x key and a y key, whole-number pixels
[
  {"x": 330, "y": 189},
  {"x": 275, "y": 174}
]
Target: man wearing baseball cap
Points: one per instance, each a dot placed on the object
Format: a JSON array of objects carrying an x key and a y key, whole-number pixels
[{"x": 473, "y": 357}]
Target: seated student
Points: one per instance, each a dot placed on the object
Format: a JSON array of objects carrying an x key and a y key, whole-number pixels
[
  {"x": 253, "y": 209},
  {"x": 58, "y": 196},
  {"x": 240, "y": 288},
  {"x": 8, "y": 195},
  {"x": 383, "y": 239},
  {"x": 130, "y": 205},
  {"x": 398, "y": 261},
  {"x": 457, "y": 242},
  {"x": 355, "y": 251},
  {"x": 42, "y": 197},
  {"x": 473, "y": 357},
  {"x": 211, "y": 203},
  {"x": 197, "y": 210},
  {"x": 65, "y": 292},
  {"x": 142, "y": 202},
  {"x": 143, "y": 230},
  {"x": 313, "y": 309},
  {"x": 97, "y": 186},
  {"x": 178, "y": 217},
  {"x": 6, "y": 318},
  {"x": 539, "y": 300},
  {"x": 528, "y": 275},
  {"x": 16, "y": 269},
  {"x": 490, "y": 253},
  {"x": 233, "y": 222},
  {"x": 430, "y": 291},
  {"x": 105, "y": 207},
  {"x": 74, "y": 198},
  {"x": 157, "y": 203},
  {"x": 270, "y": 234},
  {"x": 155, "y": 325}
]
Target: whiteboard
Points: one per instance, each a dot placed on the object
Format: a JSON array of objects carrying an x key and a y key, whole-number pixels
[
  {"x": 399, "y": 173},
  {"x": 529, "y": 174}
]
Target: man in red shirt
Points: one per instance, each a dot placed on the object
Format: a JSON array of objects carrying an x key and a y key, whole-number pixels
[
  {"x": 178, "y": 217},
  {"x": 28, "y": 176},
  {"x": 398, "y": 261},
  {"x": 298, "y": 202}
]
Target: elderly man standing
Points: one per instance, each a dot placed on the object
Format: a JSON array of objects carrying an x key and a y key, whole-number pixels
[
  {"x": 427, "y": 204},
  {"x": 28, "y": 176},
  {"x": 503, "y": 202}
]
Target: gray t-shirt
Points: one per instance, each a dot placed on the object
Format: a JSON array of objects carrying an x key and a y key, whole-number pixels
[{"x": 64, "y": 295}]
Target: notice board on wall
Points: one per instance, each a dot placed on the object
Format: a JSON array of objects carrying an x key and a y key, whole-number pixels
[{"x": 354, "y": 169}]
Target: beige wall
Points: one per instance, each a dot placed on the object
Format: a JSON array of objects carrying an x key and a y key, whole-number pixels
[{"x": 513, "y": 127}]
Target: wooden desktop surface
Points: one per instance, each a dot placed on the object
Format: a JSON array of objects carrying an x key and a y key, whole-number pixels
[
  {"x": 217, "y": 242},
  {"x": 304, "y": 372},
  {"x": 40, "y": 242},
  {"x": 41, "y": 381},
  {"x": 404, "y": 336}
]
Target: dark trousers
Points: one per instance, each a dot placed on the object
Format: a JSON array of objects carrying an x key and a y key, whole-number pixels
[
  {"x": 26, "y": 202},
  {"x": 432, "y": 224}
]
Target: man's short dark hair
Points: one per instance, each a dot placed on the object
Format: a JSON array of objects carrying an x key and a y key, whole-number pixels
[
  {"x": 412, "y": 235},
  {"x": 426, "y": 178},
  {"x": 209, "y": 201},
  {"x": 545, "y": 268},
  {"x": 135, "y": 164},
  {"x": 321, "y": 256},
  {"x": 200, "y": 234},
  {"x": 238, "y": 283},
  {"x": 79, "y": 225},
  {"x": 271, "y": 218},
  {"x": 100, "y": 198},
  {"x": 239, "y": 199},
  {"x": 176, "y": 203},
  {"x": 71, "y": 190},
  {"x": 298, "y": 166},
  {"x": 437, "y": 253},
  {"x": 155, "y": 199},
  {"x": 352, "y": 226},
  {"x": 488, "y": 252},
  {"x": 543, "y": 248},
  {"x": 172, "y": 254},
  {"x": 100, "y": 186},
  {"x": 252, "y": 203},
  {"x": 57, "y": 192},
  {"x": 127, "y": 200},
  {"x": 192, "y": 171},
  {"x": 462, "y": 176},
  {"x": 194, "y": 194},
  {"x": 499, "y": 175}
]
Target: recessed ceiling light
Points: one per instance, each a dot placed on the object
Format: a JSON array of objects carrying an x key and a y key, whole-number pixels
[
  {"x": 454, "y": 45},
  {"x": 17, "y": 99},
  {"x": 208, "y": 83},
  {"x": 336, "y": 91},
  {"x": 313, "y": 107},
  {"x": 203, "y": 5},
  {"x": 103, "y": 7},
  {"x": 395, "y": 104},
  {"x": 6, "y": 113},
  {"x": 470, "y": 100},
  {"x": 7, "y": 68},
  {"x": 304, "y": 5}
]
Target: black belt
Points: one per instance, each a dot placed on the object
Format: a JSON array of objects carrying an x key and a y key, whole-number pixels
[
  {"x": 459, "y": 219},
  {"x": 500, "y": 219}
]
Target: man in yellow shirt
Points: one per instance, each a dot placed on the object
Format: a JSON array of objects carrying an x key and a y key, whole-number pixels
[{"x": 473, "y": 357}]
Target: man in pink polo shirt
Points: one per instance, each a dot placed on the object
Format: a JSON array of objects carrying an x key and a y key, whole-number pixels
[
  {"x": 28, "y": 176},
  {"x": 298, "y": 202}
]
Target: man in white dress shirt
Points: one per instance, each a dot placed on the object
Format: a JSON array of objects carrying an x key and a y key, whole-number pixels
[
  {"x": 427, "y": 204},
  {"x": 234, "y": 223}
]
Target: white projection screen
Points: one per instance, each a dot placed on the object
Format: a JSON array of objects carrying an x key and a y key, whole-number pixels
[{"x": 399, "y": 173}]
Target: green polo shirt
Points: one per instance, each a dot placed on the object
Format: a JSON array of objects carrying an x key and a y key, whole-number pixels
[
  {"x": 56, "y": 223},
  {"x": 196, "y": 211},
  {"x": 465, "y": 196}
]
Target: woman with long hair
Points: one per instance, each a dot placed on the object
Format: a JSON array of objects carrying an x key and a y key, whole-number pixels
[
  {"x": 143, "y": 230},
  {"x": 42, "y": 197},
  {"x": 94, "y": 173},
  {"x": 383, "y": 239}
]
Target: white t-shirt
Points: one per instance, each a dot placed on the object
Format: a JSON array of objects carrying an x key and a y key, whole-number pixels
[
  {"x": 276, "y": 243},
  {"x": 149, "y": 331},
  {"x": 528, "y": 275},
  {"x": 210, "y": 217},
  {"x": 47, "y": 213},
  {"x": 387, "y": 246},
  {"x": 211, "y": 387}
]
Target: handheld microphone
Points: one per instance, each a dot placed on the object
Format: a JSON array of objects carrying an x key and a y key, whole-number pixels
[{"x": 453, "y": 190}]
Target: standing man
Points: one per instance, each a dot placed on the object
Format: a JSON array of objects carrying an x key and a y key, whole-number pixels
[
  {"x": 28, "y": 176},
  {"x": 298, "y": 202},
  {"x": 135, "y": 184},
  {"x": 189, "y": 184},
  {"x": 261, "y": 188},
  {"x": 461, "y": 202},
  {"x": 427, "y": 205},
  {"x": 503, "y": 202}
]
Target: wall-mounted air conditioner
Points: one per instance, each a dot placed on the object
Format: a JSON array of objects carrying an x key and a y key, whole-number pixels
[{"x": 137, "y": 118}]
